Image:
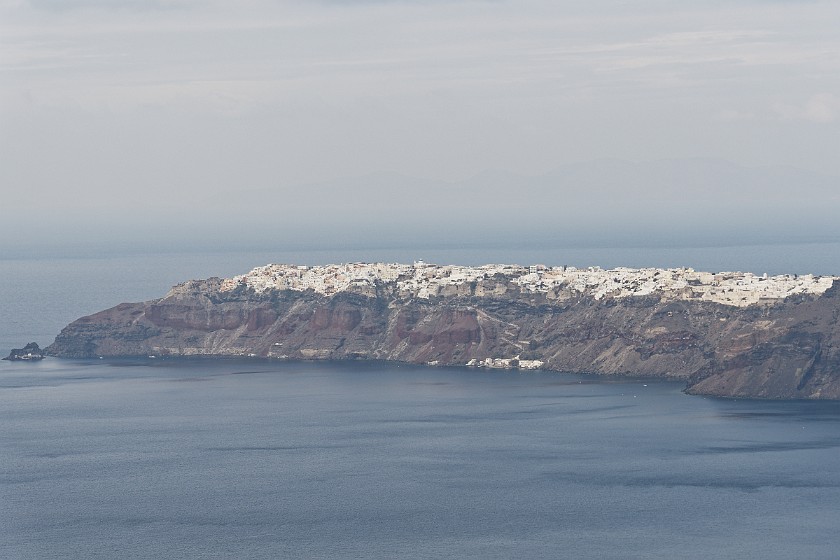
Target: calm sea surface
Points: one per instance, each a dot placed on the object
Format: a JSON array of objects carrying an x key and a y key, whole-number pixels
[{"x": 250, "y": 459}]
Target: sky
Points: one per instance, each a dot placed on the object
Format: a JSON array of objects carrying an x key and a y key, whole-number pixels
[{"x": 159, "y": 122}]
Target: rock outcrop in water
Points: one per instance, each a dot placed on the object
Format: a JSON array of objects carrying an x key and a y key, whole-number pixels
[
  {"x": 727, "y": 334},
  {"x": 29, "y": 353}
]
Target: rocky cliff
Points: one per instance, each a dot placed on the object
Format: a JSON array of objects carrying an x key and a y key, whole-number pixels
[{"x": 777, "y": 347}]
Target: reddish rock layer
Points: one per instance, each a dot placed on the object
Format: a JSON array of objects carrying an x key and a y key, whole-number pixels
[{"x": 790, "y": 349}]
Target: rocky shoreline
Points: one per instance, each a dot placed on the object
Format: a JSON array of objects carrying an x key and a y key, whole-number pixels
[
  {"x": 29, "y": 353},
  {"x": 778, "y": 347}
]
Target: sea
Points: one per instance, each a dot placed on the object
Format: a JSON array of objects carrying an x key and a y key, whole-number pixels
[{"x": 237, "y": 458}]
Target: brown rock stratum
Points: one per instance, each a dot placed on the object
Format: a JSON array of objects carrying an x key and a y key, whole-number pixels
[{"x": 789, "y": 348}]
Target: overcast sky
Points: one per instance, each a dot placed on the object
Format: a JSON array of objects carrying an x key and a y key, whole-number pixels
[{"x": 147, "y": 113}]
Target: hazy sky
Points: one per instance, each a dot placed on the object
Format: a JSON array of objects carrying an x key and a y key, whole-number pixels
[{"x": 148, "y": 113}]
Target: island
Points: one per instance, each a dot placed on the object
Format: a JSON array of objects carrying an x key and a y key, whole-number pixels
[
  {"x": 29, "y": 353},
  {"x": 732, "y": 334}
]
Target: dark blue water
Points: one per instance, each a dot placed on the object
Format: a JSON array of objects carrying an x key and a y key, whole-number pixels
[
  {"x": 226, "y": 459},
  {"x": 246, "y": 459}
]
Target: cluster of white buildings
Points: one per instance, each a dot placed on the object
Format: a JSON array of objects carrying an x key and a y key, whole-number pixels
[
  {"x": 506, "y": 363},
  {"x": 729, "y": 288},
  {"x": 422, "y": 280}
]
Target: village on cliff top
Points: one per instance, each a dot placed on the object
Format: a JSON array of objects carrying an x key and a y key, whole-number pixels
[{"x": 423, "y": 280}]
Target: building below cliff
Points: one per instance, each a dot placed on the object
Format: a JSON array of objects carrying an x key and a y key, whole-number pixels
[{"x": 729, "y": 333}]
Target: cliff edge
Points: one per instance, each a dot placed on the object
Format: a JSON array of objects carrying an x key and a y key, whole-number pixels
[{"x": 726, "y": 334}]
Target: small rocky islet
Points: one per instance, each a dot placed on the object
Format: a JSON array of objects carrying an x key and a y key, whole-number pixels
[{"x": 29, "y": 353}]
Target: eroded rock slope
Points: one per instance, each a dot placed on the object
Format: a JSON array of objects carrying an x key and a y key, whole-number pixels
[{"x": 787, "y": 346}]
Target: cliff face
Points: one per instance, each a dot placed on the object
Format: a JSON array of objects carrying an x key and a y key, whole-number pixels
[{"x": 784, "y": 349}]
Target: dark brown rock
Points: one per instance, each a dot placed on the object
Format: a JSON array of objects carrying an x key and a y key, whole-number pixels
[
  {"x": 787, "y": 349},
  {"x": 29, "y": 353}
]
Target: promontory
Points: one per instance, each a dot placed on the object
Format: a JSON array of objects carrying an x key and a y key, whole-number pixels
[{"x": 726, "y": 333}]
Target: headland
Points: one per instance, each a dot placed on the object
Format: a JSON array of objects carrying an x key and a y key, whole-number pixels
[{"x": 723, "y": 333}]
